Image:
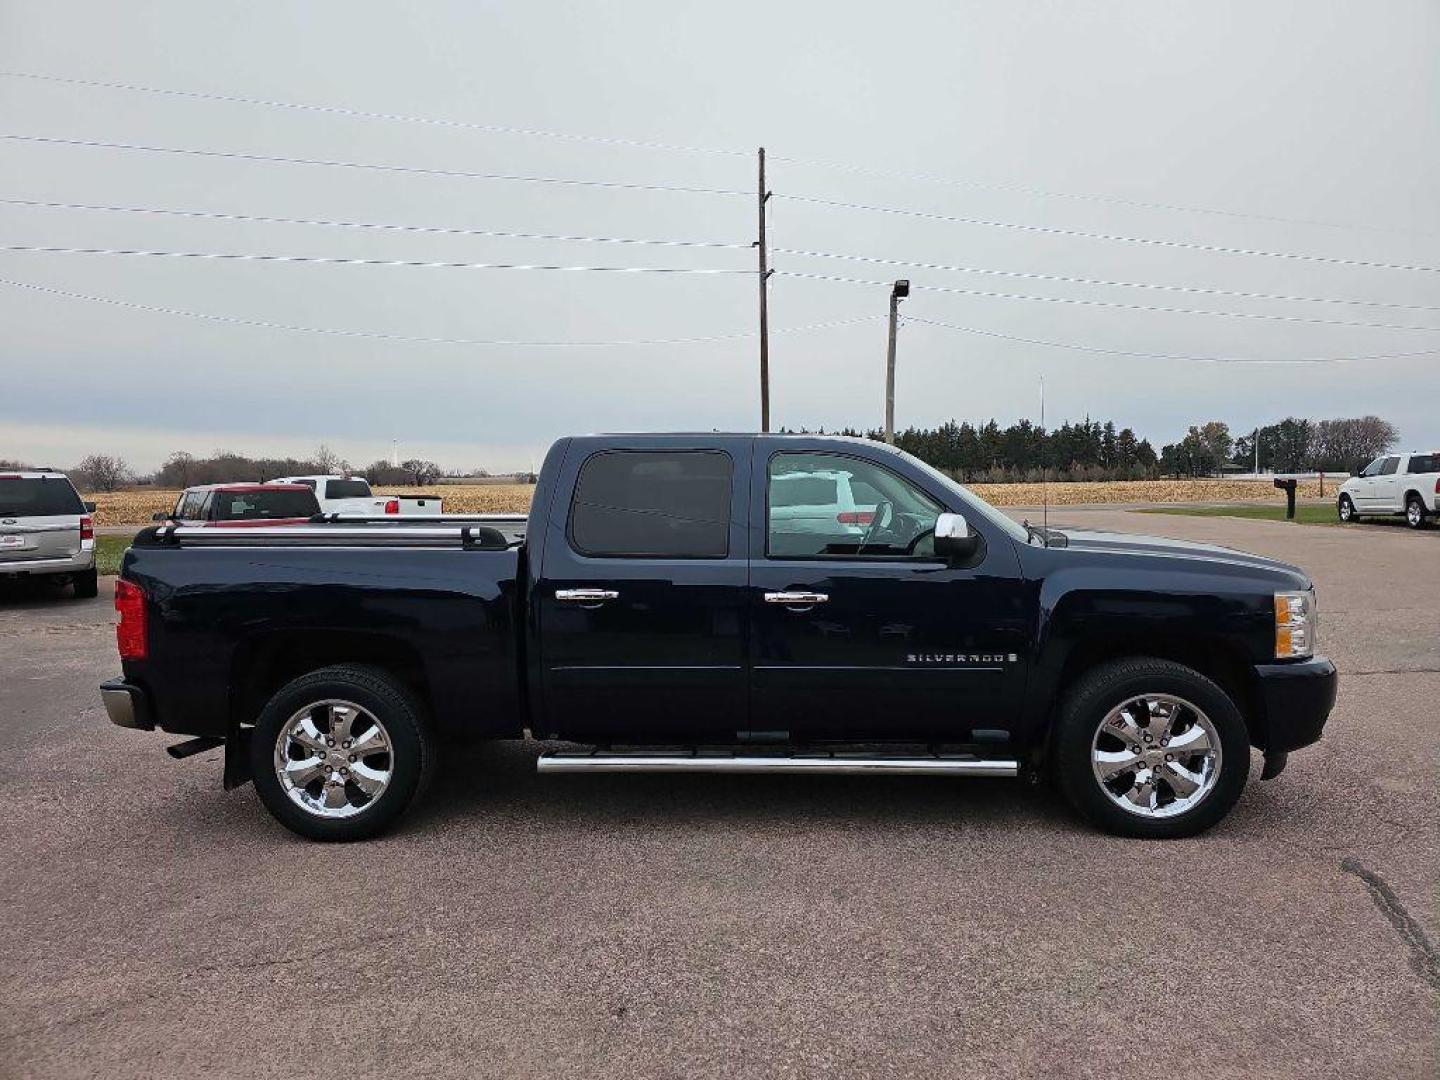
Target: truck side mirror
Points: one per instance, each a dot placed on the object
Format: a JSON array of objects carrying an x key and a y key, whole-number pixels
[
  {"x": 160, "y": 516},
  {"x": 89, "y": 506},
  {"x": 955, "y": 541}
]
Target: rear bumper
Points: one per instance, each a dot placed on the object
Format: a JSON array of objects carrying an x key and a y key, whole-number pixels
[
  {"x": 126, "y": 705},
  {"x": 78, "y": 563},
  {"x": 1298, "y": 698}
]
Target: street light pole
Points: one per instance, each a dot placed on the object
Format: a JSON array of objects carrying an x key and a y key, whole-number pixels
[{"x": 899, "y": 291}]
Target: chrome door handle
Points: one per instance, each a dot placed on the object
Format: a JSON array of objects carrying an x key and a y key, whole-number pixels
[
  {"x": 586, "y": 596},
  {"x": 796, "y": 599}
]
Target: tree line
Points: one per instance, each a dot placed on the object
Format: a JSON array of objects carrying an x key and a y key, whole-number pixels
[
  {"x": 984, "y": 452},
  {"x": 1092, "y": 450},
  {"x": 1287, "y": 446}
]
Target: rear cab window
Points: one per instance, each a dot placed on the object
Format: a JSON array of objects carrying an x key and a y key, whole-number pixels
[
  {"x": 657, "y": 504},
  {"x": 347, "y": 489},
  {"x": 38, "y": 496},
  {"x": 262, "y": 505}
]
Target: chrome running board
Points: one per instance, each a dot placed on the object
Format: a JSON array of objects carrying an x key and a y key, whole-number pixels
[{"x": 719, "y": 761}]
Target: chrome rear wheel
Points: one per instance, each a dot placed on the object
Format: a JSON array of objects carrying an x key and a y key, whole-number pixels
[{"x": 334, "y": 758}]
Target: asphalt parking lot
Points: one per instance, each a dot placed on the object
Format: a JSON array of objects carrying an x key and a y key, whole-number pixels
[{"x": 517, "y": 925}]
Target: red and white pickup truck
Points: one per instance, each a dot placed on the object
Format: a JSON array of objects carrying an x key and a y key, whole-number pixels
[{"x": 351, "y": 496}]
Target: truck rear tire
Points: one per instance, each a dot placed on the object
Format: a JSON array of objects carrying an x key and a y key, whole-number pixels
[
  {"x": 1150, "y": 748},
  {"x": 338, "y": 754},
  {"x": 1415, "y": 513},
  {"x": 86, "y": 584}
]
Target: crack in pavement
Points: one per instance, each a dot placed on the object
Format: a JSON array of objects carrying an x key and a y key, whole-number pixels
[
  {"x": 1398, "y": 671},
  {"x": 1424, "y": 957}
]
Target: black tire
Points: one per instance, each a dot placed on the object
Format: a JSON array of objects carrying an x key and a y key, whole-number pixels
[
  {"x": 1416, "y": 516},
  {"x": 1106, "y": 687},
  {"x": 1346, "y": 509},
  {"x": 412, "y": 749},
  {"x": 87, "y": 584}
]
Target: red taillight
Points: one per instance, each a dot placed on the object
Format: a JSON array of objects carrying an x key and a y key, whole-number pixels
[
  {"x": 87, "y": 527},
  {"x": 855, "y": 517},
  {"x": 392, "y": 506},
  {"x": 1437, "y": 485},
  {"x": 130, "y": 633}
]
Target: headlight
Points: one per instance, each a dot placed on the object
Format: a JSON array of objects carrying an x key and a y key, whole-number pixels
[{"x": 1295, "y": 624}]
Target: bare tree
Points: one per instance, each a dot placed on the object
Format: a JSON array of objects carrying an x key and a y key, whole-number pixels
[
  {"x": 1343, "y": 444},
  {"x": 102, "y": 472},
  {"x": 421, "y": 472},
  {"x": 328, "y": 461}
]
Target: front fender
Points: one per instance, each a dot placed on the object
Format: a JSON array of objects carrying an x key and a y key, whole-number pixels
[{"x": 1085, "y": 616}]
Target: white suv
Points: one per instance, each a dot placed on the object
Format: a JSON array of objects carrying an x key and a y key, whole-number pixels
[
  {"x": 46, "y": 530},
  {"x": 819, "y": 501},
  {"x": 1406, "y": 484}
]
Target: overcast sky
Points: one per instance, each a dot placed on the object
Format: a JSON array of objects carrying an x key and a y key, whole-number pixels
[{"x": 1327, "y": 113}]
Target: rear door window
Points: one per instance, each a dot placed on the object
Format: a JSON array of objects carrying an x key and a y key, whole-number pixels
[
  {"x": 1424, "y": 463},
  {"x": 38, "y": 496},
  {"x": 653, "y": 504}
]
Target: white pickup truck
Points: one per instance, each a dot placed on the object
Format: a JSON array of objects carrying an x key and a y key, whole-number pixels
[
  {"x": 1407, "y": 483},
  {"x": 352, "y": 497}
]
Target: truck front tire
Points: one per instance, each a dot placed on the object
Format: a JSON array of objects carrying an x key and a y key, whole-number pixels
[
  {"x": 1150, "y": 748},
  {"x": 339, "y": 753}
]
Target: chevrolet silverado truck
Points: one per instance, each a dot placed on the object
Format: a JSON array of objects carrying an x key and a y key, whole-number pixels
[{"x": 653, "y": 613}]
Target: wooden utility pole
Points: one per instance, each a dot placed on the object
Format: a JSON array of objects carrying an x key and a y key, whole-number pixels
[
  {"x": 899, "y": 291},
  {"x": 764, "y": 304}
]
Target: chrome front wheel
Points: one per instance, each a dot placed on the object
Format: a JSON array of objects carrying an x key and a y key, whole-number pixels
[
  {"x": 334, "y": 758},
  {"x": 1150, "y": 748},
  {"x": 1156, "y": 755}
]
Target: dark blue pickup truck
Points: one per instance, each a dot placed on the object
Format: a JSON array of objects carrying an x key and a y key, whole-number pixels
[{"x": 722, "y": 603}]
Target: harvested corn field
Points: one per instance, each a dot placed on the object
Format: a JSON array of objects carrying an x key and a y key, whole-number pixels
[{"x": 137, "y": 507}]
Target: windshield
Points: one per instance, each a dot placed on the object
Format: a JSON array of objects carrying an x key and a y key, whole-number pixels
[
  {"x": 970, "y": 500},
  {"x": 37, "y": 496}
]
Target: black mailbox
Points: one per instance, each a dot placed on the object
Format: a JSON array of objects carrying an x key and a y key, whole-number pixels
[{"x": 1287, "y": 485}]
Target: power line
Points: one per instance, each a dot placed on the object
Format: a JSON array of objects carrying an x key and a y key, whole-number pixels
[
  {"x": 445, "y": 265},
  {"x": 1083, "y": 196},
  {"x": 1162, "y": 355},
  {"x": 380, "y": 336},
  {"x": 337, "y": 261},
  {"x": 1214, "y": 249},
  {"x": 439, "y": 229},
  {"x": 641, "y": 144},
  {"x": 408, "y": 169},
  {"x": 1111, "y": 304},
  {"x": 365, "y": 114},
  {"x": 1030, "y": 276},
  {"x": 716, "y": 244}
]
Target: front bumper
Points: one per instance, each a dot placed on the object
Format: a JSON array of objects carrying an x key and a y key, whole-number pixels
[
  {"x": 126, "y": 705},
  {"x": 78, "y": 563},
  {"x": 1297, "y": 699}
]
